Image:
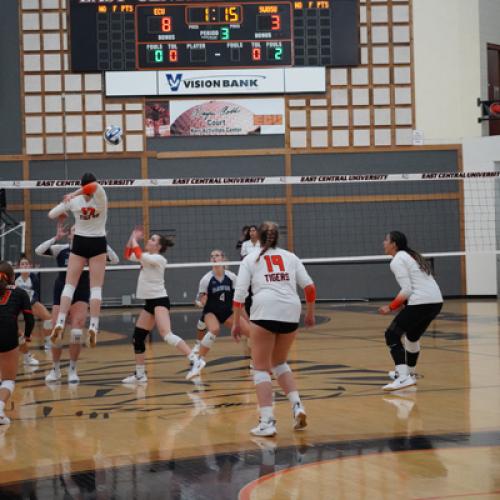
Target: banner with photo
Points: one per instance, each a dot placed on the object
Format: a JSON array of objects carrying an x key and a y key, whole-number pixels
[{"x": 216, "y": 117}]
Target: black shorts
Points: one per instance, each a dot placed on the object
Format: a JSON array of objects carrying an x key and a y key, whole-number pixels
[
  {"x": 88, "y": 247},
  {"x": 82, "y": 294},
  {"x": 414, "y": 320},
  {"x": 151, "y": 304},
  {"x": 9, "y": 338},
  {"x": 276, "y": 326},
  {"x": 222, "y": 315}
]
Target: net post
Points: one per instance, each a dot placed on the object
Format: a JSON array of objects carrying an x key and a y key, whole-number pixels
[{"x": 23, "y": 236}]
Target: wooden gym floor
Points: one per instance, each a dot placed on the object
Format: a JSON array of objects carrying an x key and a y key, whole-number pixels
[{"x": 175, "y": 439}]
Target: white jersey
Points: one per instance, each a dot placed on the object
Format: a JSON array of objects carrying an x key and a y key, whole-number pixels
[
  {"x": 274, "y": 279},
  {"x": 247, "y": 247},
  {"x": 151, "y": 281},
  {"x": 418, "y": 286},
  {"x": 27, "y": 285},
  {"x": 90, "y": 216}
]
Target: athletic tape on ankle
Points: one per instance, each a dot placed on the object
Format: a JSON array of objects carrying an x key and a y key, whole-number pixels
[
  {"x": 261, "y": 376},
  {"x": 9, "y": 385},
  {"x": 96, "y": 293},
  {"x": 279, "y": 370},
  {"x": 172, "y": 339},
  {"x": 208, "y": 340},
  {"x": 47, "y": 324}
]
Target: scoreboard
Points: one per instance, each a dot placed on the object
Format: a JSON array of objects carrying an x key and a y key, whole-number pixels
[{"x": 125, "y": 35}]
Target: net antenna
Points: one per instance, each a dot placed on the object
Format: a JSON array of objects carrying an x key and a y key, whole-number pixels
[{"x": 12, "y": 232}]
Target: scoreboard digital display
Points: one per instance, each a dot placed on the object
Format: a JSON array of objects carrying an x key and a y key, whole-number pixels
[
  {"x": 187, "y": 35},
  {"x": 125, "y": 35}
]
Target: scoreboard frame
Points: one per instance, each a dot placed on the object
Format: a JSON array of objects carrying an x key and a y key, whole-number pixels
[{"x": 323, "y": 33}]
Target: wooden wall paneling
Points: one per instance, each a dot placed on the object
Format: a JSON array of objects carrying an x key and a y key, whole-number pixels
[
  {"x": 145, "y": 196},
  {"x": 370, "y": 74},
  {"x": 27, "y": 210}
]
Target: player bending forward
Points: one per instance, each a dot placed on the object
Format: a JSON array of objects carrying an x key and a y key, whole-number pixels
[{"x": 424, "y": 302}]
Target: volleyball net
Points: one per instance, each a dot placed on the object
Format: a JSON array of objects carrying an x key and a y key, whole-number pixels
[{"x": 335, "y": 223}]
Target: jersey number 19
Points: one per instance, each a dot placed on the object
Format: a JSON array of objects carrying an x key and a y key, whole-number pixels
[{"x": 274, "y": 260}]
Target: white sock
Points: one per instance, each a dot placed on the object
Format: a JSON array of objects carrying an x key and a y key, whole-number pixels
[
  {"x": 266, "y": 413},
  {"x": 2, "y": 406},
  {"x": 139, "y": 371},
  {"x": 72, "y": 365},
  {"x": 403, "y": 370},
  {"x": 412, "y": 370},
  {"x": 293, "y": 397},
  {"x": 94, "y": 323},
  {"x": 57, "y": 365},
  {"x": 61, "y": 319},
  {"x": 27, "y": 356}
]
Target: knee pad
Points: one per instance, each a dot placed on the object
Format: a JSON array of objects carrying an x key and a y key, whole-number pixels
[
  {"x": 47, "y": 324},
  {"x": 139, "y": 340},
  {"x": 279, "y": 370},
  {"x": 96, "y": 293},
  {"x": 75, "y": 336},
  {"x": 8, "y": 385},
  {"x": 201, "y": 325},
  {"x": 412, "y": 347},
  {"x": 208, "y": 340},
  {"x": 261, "y": 376},
  {"x": 68, "y": 291},
  {"x": 172, "y": 339},
  {"x": 393, "y": 334}
]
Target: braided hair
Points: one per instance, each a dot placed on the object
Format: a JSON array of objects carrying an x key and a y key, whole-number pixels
[
  {"x": 6, "y": 276},
  {"x": 399, "y": 239},
  {"x": 268, "y": 235}
]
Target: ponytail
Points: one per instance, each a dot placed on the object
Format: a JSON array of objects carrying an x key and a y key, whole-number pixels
[
  {"x": 399, "y": 239},
  {"x": 268, "y": 235},
  {"x": 6, "y": 276}
]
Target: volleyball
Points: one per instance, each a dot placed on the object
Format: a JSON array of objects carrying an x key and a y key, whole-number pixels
[{"x": 113, "y": 135}]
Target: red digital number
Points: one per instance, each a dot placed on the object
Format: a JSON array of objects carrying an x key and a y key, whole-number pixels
[
  {"x": 256, "y": 54},
  {"x": 275, "y": 22},
  {"x": 274, "y": 260},
  {"x": 173, "y": 56},
  {"x": 166, "y": 24}
]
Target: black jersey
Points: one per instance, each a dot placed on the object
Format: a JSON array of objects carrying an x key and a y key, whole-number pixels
[
  {"x": 219, "y": 293},
  {"x": 12, "y": 303}
]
